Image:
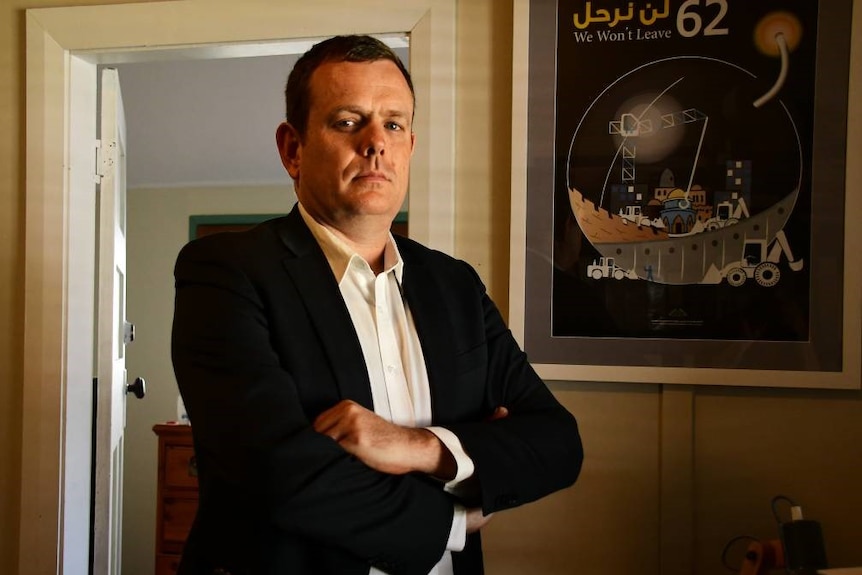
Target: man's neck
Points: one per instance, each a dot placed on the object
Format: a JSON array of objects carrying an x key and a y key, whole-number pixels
[
  {"x": 367, "y": 241},
  {"x": 367, "y": 236}
]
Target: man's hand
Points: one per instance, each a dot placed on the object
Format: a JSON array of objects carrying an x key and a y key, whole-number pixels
[
  {"x": 499, "y": 413},
  {"x": 385, "y": 446},
  {"x": 476, "y": 520}
]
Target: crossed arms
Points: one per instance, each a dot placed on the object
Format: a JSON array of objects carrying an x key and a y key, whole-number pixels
[
  {"x": 394, "y": 449},
  {"x": 273, "y": 427}
]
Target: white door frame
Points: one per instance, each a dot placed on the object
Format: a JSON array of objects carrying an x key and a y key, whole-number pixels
[{"x": 115, "y": 33}]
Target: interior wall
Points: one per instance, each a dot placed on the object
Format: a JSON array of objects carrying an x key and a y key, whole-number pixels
[
  {"x": 745, "y": 445},
  {"x": 751, "y": 445},
  {"x": 158, "y": 227},
  {"x": 613, "y": 505},
  {"x": 484, "y": 141},
  {"x": 11, "y": 267}
]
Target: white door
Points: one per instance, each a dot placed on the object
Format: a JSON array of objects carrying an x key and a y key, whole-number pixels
[{"x": 114, "y": 332}]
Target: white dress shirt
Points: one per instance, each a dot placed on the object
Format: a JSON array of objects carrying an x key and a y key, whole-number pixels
[{"x": 393, "y": 356}]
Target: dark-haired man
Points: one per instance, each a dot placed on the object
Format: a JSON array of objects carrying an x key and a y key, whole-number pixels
[{"x": 358, "y": 405}]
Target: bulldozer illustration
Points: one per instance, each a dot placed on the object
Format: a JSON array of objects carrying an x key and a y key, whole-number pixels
[{"x": 760, "y": 262}]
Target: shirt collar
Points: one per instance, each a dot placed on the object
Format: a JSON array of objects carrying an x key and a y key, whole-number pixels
[{"x": 339, "y": 255}]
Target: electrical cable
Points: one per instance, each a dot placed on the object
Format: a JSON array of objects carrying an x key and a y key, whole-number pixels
[
  {"x": 775, "y": 500},
  {"x": 729, "y": 545}
]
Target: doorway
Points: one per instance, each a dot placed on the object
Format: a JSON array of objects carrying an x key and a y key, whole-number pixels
[
  {"x": 201, "y": 153},
  {"x": 113, "y": 33}
]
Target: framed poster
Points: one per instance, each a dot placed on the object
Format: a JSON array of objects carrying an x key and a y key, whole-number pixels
[
  {"x": 204, "y": 225},
  {"x": 680, "y": 207}
]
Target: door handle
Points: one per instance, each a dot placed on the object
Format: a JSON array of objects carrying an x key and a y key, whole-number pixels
[{"x": 137, "y": 387}]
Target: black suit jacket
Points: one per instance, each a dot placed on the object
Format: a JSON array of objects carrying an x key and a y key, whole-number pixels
[{"x": 262, "y": 343}]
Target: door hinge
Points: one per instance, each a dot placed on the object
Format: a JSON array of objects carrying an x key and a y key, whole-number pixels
[
  {"x": 99, "y": 169},
  {"x": 128, "y": 332}
]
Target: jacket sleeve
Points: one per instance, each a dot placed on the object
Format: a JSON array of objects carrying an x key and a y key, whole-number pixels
[
  {"x": 537, "y": 448},
  {"x": 255, "y": 438}
]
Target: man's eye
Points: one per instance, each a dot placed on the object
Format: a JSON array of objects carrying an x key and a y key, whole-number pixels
[
  {"x": 394, "y": 126},
  {"x": 345, "y": 123}
]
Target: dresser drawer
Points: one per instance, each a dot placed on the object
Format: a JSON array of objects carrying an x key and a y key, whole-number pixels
[
  {"x": 181, "y": 468},
  {"x": 177, "y": 495},
  {"x": 178, "y": 514},
  {"x": 167, "y": 564}
]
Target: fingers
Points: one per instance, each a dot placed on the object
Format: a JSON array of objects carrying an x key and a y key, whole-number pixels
[
  {"x": 340, "y": 420},
  {"x": 499, "y": 413},
  {"x": 354, "y": 427},
  {"x": 476, "y": 519}
]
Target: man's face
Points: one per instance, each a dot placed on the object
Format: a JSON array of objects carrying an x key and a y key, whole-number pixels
[{"x": 354, "y": 160}]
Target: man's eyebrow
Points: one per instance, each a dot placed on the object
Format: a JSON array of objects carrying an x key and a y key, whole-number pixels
[
  {"x": 335, "y": 112},
  {"x": 396, "y": 113},
  {"x": 390, "y": 113},
  {"x": 348, "y": 108}
]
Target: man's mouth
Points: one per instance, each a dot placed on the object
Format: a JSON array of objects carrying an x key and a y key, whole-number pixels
[{"x": 372, "y": 176}]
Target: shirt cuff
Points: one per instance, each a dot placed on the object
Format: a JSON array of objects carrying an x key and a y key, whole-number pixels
[
  {"x": 463, "y": 463},
  {"x": 458, "y": 533}
]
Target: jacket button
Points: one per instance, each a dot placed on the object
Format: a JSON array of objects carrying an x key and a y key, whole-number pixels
[{"x": 507, "y": 500}]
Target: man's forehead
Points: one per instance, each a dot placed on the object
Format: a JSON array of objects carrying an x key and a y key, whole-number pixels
[
  {"x": 342, "y": 86},
  {"x": 345, "y": 77}
]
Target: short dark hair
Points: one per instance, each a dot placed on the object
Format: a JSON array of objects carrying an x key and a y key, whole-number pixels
[{"x": 297, "y": 94}]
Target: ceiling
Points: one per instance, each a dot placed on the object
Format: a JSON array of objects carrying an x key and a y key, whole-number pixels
[{"x": 205, "y": 122}]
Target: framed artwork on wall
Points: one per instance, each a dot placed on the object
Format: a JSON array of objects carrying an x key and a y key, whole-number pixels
[
  {"x": 683, "y": 207},
  {"x": 204, "y": 225}
]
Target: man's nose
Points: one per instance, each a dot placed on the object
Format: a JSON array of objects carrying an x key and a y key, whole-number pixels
[{"x": 373, "y": 142}]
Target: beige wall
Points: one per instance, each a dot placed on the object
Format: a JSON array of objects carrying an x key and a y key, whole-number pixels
[
  {"x": 484, "y": 120},
  {"x": 740, "y": 447},
  {"x": 11, "y": 293}
]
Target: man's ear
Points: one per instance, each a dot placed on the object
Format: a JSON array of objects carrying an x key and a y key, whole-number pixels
[{"x": 289, "y": 148}]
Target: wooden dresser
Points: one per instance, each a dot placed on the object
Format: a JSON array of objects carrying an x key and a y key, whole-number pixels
[{"x": 177, "y": 495}]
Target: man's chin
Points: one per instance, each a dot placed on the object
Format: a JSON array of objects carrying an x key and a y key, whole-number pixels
[
  {"x": 374, "y": 213},
  {"x": 375, "y": 204}
]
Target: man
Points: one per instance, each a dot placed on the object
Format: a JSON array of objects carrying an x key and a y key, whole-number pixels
[{"x": 358, "y": 405}]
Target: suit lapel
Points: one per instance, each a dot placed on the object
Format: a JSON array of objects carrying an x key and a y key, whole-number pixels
[
  {"x": 310, "y": 272},
  {"x": 423, "y": 294}
]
